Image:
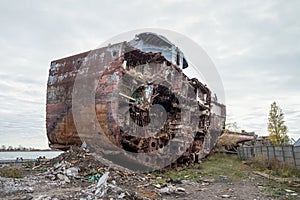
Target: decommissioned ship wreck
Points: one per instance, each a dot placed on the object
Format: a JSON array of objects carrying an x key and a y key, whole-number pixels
[{"x": 136, "y": 95}]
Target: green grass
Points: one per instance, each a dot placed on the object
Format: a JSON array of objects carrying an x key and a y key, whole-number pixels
[
  {"x": 223, "y": 168},
  {"x": 224, "y": 165},
  {"x": 278, "y": 190},
  {"x": 218, "y": 168}
]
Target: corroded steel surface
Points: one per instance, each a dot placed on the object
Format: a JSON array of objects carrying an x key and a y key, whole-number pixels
[{"x": 135, "y": 89}]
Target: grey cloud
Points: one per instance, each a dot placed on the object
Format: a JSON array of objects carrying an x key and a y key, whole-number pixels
[{"x": 254, "y": 45}]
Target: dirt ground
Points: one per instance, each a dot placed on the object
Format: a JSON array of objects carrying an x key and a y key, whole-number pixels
[
  {"x": 77, "y": 175},
  {"x": 251, "y": 188}
]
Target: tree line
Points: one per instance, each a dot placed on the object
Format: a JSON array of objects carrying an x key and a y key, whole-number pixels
[{"x": 19, "y": 148}]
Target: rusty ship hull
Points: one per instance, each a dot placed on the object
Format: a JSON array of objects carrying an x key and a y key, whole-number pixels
[{"x": 126, "y": 84}]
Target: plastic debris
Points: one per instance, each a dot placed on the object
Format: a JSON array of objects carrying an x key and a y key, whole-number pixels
[
  {"x": 73, "y": 171},
  {"x": 225, "y": 196},
  {"x": 94, "y": 178},
  {"x": 180, "y": 189},
  {"x": 63, "y": 178},
  {"x": 29, "y": 190},
  {"x": 289, "y": 191},
  {"x": 84, "y": 145},
  {"x": 102, "y": 185},
  {"x": 122, "y": 195},
  {"x": 171, "y": 189},
  {"x": 57, "y": 165},
  {"x": 167, "y": 190}
]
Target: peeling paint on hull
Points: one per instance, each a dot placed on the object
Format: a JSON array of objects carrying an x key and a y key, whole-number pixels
[{"x": 126, "y": 79}]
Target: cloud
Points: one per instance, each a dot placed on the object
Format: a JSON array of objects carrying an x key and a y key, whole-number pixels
[{"x": 254, "y": 45}]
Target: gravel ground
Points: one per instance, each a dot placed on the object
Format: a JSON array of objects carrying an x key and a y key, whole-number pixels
[{"x": 76, "y": 175}]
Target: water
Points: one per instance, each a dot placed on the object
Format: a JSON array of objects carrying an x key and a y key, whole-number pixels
[{"x": 12, "y": 155}]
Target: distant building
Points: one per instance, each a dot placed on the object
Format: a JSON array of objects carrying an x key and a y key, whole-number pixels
[
  {"x": 263, "y": 140},
  {"x": 297, "y": 143}
]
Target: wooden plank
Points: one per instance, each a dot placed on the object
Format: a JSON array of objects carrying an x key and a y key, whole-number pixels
[
  {"x": 297, "y": 149},
  {"x": 277, "y": 179},
  {"x": 271, "y": 153},
  {"x": 248, "y": 152},
  {"x": 294, "y": 159},
  {"x": 242, "y": 153},
  {"x": 279, "y": 157},
  {"x": 278, "y": 153},
  {"x": 278, "y": 148},
  {"x": 256, "y": 151},
  {"x": 297, "y": 155}
]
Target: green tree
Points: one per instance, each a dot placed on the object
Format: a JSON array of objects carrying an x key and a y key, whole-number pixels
[{"x": 276, "y": 127}]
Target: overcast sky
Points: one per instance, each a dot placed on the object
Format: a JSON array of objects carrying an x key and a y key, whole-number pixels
[{"x": 255, "y": 46}]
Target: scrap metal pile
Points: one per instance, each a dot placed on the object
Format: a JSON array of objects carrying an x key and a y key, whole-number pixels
[{"x": 141, "y": 102}]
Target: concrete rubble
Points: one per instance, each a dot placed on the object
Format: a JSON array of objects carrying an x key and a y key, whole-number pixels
[{"x": 76, "y": 174}]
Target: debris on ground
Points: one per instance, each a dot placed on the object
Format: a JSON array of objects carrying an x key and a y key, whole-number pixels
[
  {"x": 171, "y": 189},
  {"x": 76, "y": 174}
]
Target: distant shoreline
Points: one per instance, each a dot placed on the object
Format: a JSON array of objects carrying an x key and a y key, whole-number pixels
[{"x": 34, "y": 150}]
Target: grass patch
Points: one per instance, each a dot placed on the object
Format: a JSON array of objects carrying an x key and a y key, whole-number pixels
[
  {"x": 224, "y": 165},
  {"x": 224, "y": 168},
  {"x": 219, "y": 168},
  {"x": 275, "y": 168},
  {"x": 278, "y": 190},
  {"x": 11, "y": 172}
]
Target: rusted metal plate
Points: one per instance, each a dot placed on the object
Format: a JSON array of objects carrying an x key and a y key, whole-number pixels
[{"x": 130, "y": 79}]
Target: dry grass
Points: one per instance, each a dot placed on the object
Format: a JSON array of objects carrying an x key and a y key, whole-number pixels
[
  {"x": 11, "y": 172},
  {"x": 275, "y": 167}
]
